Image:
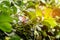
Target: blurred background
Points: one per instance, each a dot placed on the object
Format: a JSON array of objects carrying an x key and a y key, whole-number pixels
[{"x": 29, "y": 19}]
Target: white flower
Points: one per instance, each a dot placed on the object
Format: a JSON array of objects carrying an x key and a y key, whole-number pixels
[
  {"x": 24, "y": 1},
  {"x": 20, "y": 18},
  {"x": 57, "y": 36},
  {"x": 53, "y": 30},
  {"x": 14, "y": 21},
  {"x": 36, "y": 33}
]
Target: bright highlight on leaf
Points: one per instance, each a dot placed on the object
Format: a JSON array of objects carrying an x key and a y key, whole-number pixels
[
  {"x": 38, "y": 11},
  {"x": 50, "y": 22},
  {"x": 47, "y": 12}
]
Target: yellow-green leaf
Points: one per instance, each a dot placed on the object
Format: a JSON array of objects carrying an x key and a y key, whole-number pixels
[
  {"x": 38, "y": 11},
  {"x": 50, "y": 22}
]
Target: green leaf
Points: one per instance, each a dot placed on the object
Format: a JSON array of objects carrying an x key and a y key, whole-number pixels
[
  {"x": 6, "y": 27},
  {"x": 19, "y": 3},
  {"x": 4, "y": 18},
  {"x": 31, "y": 4},
  {"x": 32, "y": 15},
  {"x": 6, "y": 3},
  {"x": 15, "y": 37},
  {"x": 5, "y": 10},
  {"x": 14, "y": 9}
]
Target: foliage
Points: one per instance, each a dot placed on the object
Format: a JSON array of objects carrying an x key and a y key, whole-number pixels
[{"x": 30, "y": 19}]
